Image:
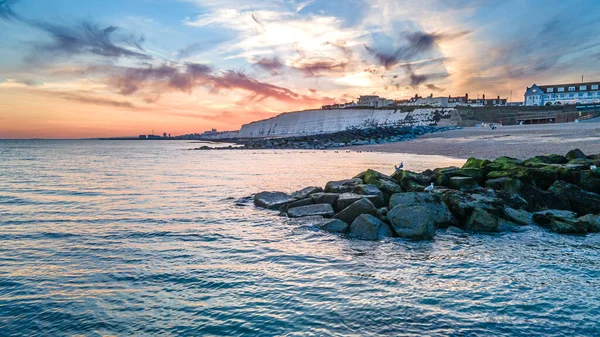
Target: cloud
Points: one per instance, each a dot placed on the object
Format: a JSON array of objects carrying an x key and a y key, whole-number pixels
[
  {"x": 6, "y": 12},
  {"x": 95, "y": 100},
  {"x": 131, "y": 80},
  {"x": 272, "y": 65},
  {"x": 434, "y": 87},
  {"x": 317, "y": 68}
]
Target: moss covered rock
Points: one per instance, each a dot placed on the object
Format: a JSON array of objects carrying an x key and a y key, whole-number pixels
[
  {"x": 476, "y": 163},
  {"x": 546, "y": 159},
  {"x": 575, "y": 154}
]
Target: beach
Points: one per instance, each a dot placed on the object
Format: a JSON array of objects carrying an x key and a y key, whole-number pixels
[{"x": 520, "y": 141}]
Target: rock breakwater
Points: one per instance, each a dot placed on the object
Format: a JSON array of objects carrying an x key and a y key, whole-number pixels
[{"x": 559, "y": 193}]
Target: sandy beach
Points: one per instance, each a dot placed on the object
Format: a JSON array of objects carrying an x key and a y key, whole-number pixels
[{"x": 521, "y": 142}]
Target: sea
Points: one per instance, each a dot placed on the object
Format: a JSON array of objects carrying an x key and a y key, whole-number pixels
[{"x": 147, "y": 238}]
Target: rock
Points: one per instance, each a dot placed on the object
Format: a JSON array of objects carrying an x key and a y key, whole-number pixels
[
  {"x": 582, "y": 201},
  {"x": 575, "y": 154},
  {"x": 306, "y": 192},
  {"x": 462, "y": 204},
  {"x": 362, "y": 206},
  {"x": 503, "y": 164},
  {"x": 342, "y": 186},
  {"x": 590, "y": 181},
  {"x": 518, "y": 216},
  {"x": 410, "y": 181},
  {"x": 564, "y": 222},
  {"x": 441, "y": 176},
  {"x": 297, "y": 203},
  {"x": 546, "y": 159},
  {"x": 462, "y": 183},
  {"x": 368, "y": 190},
  {"x": 413, "y": 222},
  {"x": 324, "y": 210},
  {"x": 591, "y": 221},
  {"x": 271, "y": 200},
  {"x": 475, "y": 173},
  {"x": 383, "y": 182},
  {"x": 455, "y": 231},
  {"x": 512, "y": 200},
  {"x": 483, "y": 221},
  {"x": 335, "y": 226},
  {"x": 539, "y": 200},
  {"x": 372, "y": 176},
  {"x": 368, "y": 227},
  {"x": 570, "y": 173},
  {"x": 476, "y": 163},
  {"x": 504, "y": 184},
  {"x": 325, "y": 198},
  {"x": 383, "y": 210},
  {"x": 346, "y": 199}
]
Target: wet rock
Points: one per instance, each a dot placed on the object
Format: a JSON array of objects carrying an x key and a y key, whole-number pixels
[
  {"x": 591, "y": 221},
  {"x": 462, "y": 183},
  {"x": 411, "y": 181},
  {"x": 441, "y": 176},
  {"x": 590, "y": 181},
  {"x": 462, "y": 204},
  {"x": 306, "y": 192},
  {"x": 518, "y": 216},
  {"x": 503, "y": 164},
  {"x": 559, "y": 221},
  {"x": 504, "y": 184},
  {"x": 362, "y": 206},
  {"x": 335, "y": 226},
  {"x": 325, "y": 198},
  {"x": 368, "y": 190},
  {"x": 346, "y": 199},
  {"x": 512, "y": 200},
  {"x": 539, "y": 200},
  {"x": 342, "y": 186},
  {"x": 575, "y": 154},
  {"x": 477, "y": 174},
  {"x": 324, "y": 210},
  {"x": 476, "y": 163},
  {"x": 455, "y": 231},
  {"x": 297, "y": 203},
  {"x": 272, "y": 200},
  {"x": 416, "y": 214},
  {"x": 482, "y": 221},
  {"x": 582, "y": 201},
  {"x": 546, "y": 159},
  {"x": 368, "y": 227}
]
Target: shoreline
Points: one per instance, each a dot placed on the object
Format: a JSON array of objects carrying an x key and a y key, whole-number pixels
[{"x": 522, "y": 142}]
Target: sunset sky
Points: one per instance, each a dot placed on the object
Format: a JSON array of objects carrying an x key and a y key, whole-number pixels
[{"x": 72, "y": 68}]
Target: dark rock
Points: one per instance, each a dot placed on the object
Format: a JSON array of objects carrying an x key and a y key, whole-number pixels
[
  {"x": 512, "y": 200},
  {"x": 564, "y": 222},
  {"x": 368, "y": 190},
  {"x": 335, "y": 226},
  {"x": 518, "y": 216},
  {"x": 503, "y": 164},
  {"x": 539, "y": 200},
  {"x": 504, "y": 184},
  {"x": 441, "y": 176},
  {"x": 570, "y": 173},
  {"x": 298, "y": 203},
  {"x": 346, "y": 199},
  {"x": 324, "y": 210},
  {"x": 546, "y": 159},
  {"x": 325, "y": 198},
  {"x": 342, "y": 186},
  {"x": 475, "y": 173},
  {"x": 575, "y": 154},
  {"x": 411, "y": 181},
  {"x": 272, "y": 200},
  {"x": 462, "y": 183},
  {"x": 590, "y": 181},
  {"x": 482, "y": 221},
  {"x": 306, "y": 192},
  {"x": 462, "y": 204},
  {"x": 368, "y": 227},
  {"x": 476, "y": 163},
  {"x": 438, "y": 212},
  {"x": 582, "y": 201},
  {"x": 455, "y": 231},
  {"x": 362, "y": 206},
  {"x": 591, "y": 221}
]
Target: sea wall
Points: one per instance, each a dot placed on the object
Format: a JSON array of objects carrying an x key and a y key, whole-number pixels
[{"x": 314, "y": 122}]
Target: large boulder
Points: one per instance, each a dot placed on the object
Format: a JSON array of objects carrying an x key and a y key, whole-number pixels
[
  {"x": 570, "y": 173},
  {"x": 504, "y": 184},
  {"x": 591, "y": 221},
  {"x": 272, "y": 200},
  {"x": 324, "y": 210},
  {"x": 462, "y": 204},
  {"x": 438, "y": 212},
  {"x": 441, "y": 176},
  {"x": 540, "y": 200},
  {"x": 546, "y": 159},
  {"x": 477, "y": 174},
  {"x": 413, "y": 222},
  {"x": 590, "y": 181},
  {"x": 325, "y": 198},
  {"x": 462, "y": 183},
  {"x": 306, "y": 192},
  {"x": 368, "y": 190},
  {"x": 362, "y": 206},
  {"x": 476, "y": 163},
  {"x": 297, "y": 203},
  {"x": 503, "y": 164},
  {"x": 482, "y": 221},
  {"x": 346, "y": 199},
  {"x": 518, "y": 216},
  {"x": 334, "y": 226},
  {"x": 559, "y": 221},
  {"x": 342, "y": 186},
  {"x": 368, "y": 227},
  {"x": 575, "y": 154},
  {"x": 384, "y": 183},
  {"x": 411, "y": 181},
  {"x": 582, "y": 201}
]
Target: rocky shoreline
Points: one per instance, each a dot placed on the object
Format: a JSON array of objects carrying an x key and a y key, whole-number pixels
[
  {"x": 350, "y": 137},
  {"x": 560, "y": 193}
]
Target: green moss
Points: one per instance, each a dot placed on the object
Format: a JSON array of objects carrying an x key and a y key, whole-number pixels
[{"x": 476, "y": 163}]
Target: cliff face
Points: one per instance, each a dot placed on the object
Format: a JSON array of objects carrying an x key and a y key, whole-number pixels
[{"x": 312, "y": 122}]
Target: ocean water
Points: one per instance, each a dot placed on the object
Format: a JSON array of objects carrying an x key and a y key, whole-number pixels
[{"x": 122, "y": 238}]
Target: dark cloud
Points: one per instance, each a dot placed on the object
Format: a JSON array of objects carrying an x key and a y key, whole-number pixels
[
  {"x": 271, "y": 65},
  {"x": 320, "y": 67},
  {"x": 417, "y": 43},
  {"x": 434, "y": 87},
  {"x": 96, "y": 100},
  {"x": 84, "y": 38},
  {"x": 189, "y": 50},
  {"x": 131, "y": 80}
]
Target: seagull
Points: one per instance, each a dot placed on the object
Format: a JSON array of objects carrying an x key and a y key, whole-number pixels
[
  {"x": 398, "y": 168},
  {"x": 429, "y": 188},
  {"x": 593, "y": 167}
]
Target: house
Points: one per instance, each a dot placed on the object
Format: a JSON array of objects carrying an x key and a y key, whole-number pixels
[{"x": 560, "y": 94}]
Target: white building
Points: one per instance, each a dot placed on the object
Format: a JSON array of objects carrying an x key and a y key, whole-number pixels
[
  {"x": 374, "y": 101},
  {"x": 559, "y": 94}
]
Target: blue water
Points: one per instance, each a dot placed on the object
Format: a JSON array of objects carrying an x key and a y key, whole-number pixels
[{"x": 126, "y": 238}]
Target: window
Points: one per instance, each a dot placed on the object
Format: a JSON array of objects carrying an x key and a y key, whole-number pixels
[
  {"x": 561, "y": 89},
  {"x": 550, "y": 90},
  {"x": 571, "y": 88},
  {"x": 594, "y": 87},
  {"x": 583, "y": 87}
]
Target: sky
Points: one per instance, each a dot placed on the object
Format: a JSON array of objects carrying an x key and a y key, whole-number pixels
[{"x": 101, "y": 68}]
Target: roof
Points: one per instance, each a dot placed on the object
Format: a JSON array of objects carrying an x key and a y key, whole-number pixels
[{"x": 588, "y": 85}]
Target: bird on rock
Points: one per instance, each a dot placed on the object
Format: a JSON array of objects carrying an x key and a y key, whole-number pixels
[
  {"x": 593, "y": 167},
  {"x": 398, "y": 168},
  {"x": 429, "y": 188}
]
